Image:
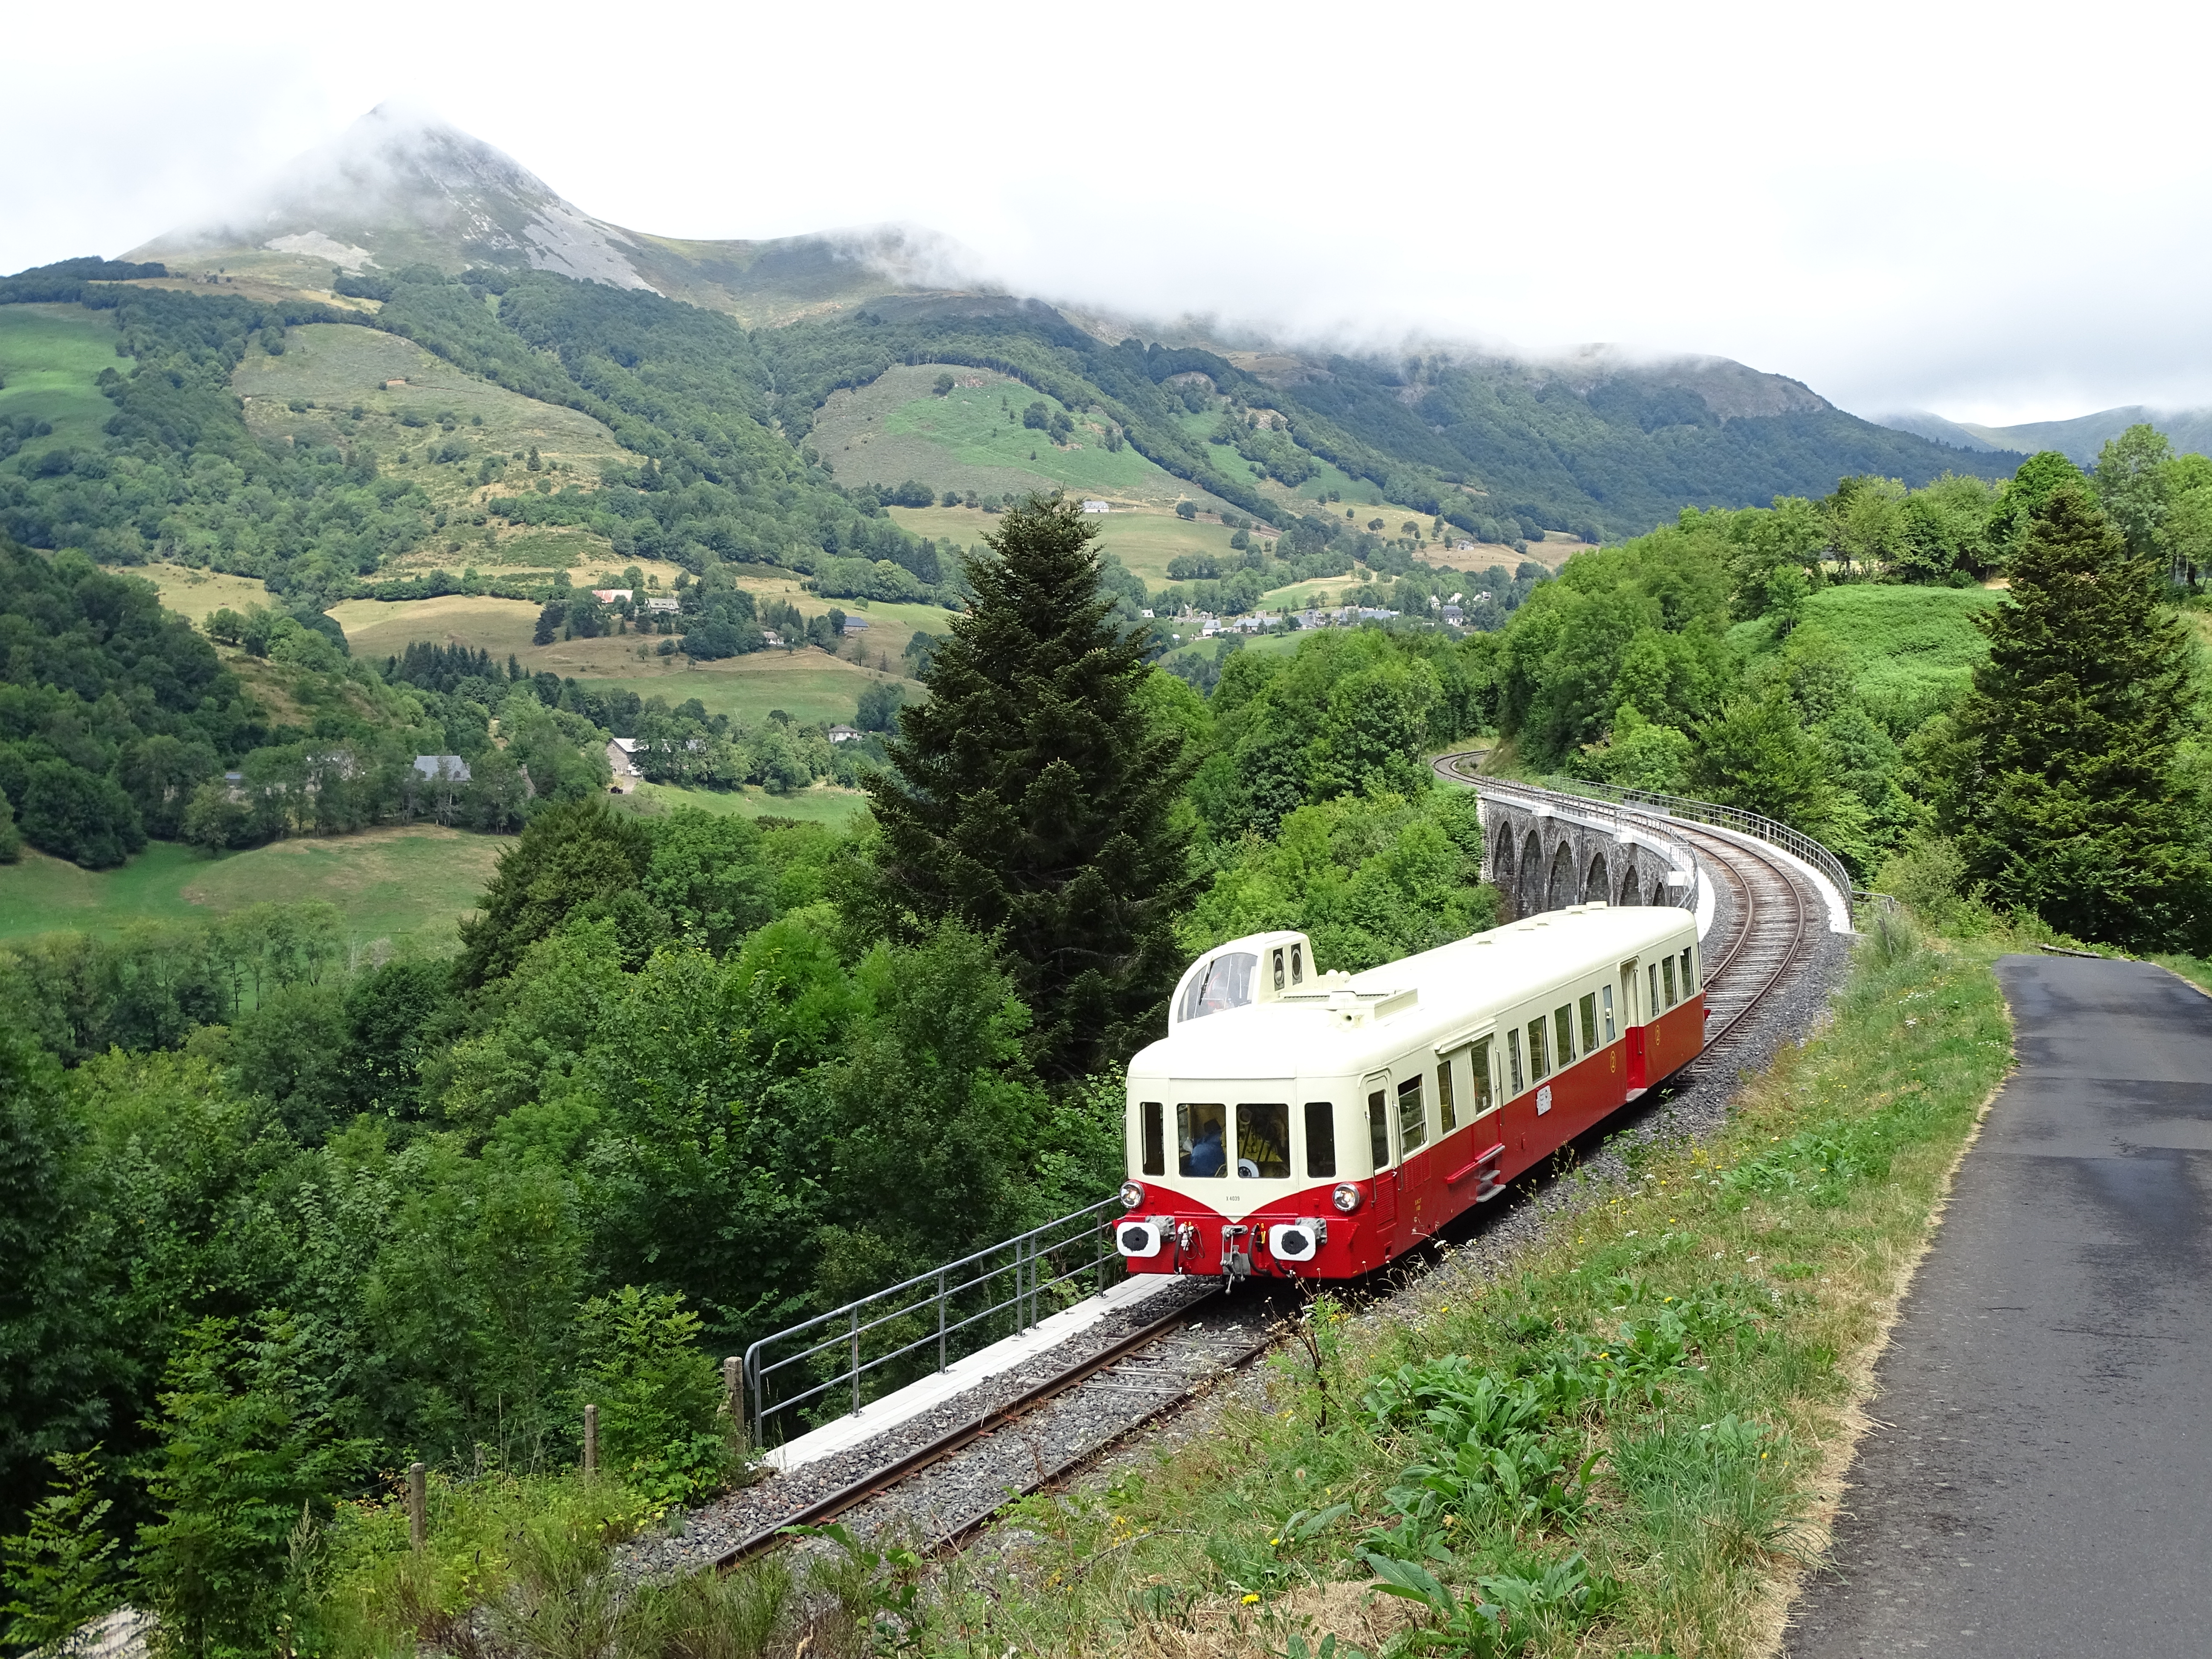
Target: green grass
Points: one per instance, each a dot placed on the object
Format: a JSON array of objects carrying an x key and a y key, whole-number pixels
[
  {"x": 197, "y": 593},
  {"x": 807, "y": 685},
  {"x": 823, "y": 803},
  {"x": 1904, "y": 645},
  {"x": 49, "y": 356},
  {"x": 1698, "y": 1336},
  {"x": 895, "y": 428},
  {"x": 409, "y": 883},
  {"x": 336, "y": 368}
]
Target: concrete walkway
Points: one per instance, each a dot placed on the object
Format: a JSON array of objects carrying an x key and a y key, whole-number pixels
[{"x": 2041, "y": 1483}]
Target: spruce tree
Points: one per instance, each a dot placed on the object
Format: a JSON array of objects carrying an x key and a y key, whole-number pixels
[
  {"x": 1032, "y": 798},
  {"x": 2072, "y": 801}
]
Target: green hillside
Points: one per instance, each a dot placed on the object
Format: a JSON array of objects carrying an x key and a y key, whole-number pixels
[
  {"x": 51, "y": 357},
  {"x": 1906, "y": 648}
]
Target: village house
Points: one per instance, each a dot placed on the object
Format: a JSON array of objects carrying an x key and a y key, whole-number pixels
[
  {"x": 1096, "y": 506},
  {"x": 661, "y": 605},
  {"x": 844, "y": 735},
  {"x": 856, "y": 625},
  {"x": 609, "y": 595},
  {"x": 622, "y": 760}
]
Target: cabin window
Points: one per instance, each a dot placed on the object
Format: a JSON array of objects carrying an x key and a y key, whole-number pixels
[
  {"x": 1651, "y": 1003},
  {"x": 1588, "y": 1007},
  {"x": 1412, "y": 1120},
  {"x": 1444, "y": 1096},
  {"x": 1606, "y": 993},
  {"x": 1539, "y": 1065},
  {"x": 1202, "y": 1141},
  {"x": 1298, "y": 964},
  {"x": 1379, "y": 1129},
  {"x": 1689, "y": 984},
  {"x": 1321, "y": 1136},
  {"x": 1223, "y": 982},
  {"x": 1480, "y": 1066},
  {"x": 1666, "y": 975},
  {"x": 1278, "y": 955},
  {"x": 1513, "y": 1061},
  {"x": 1263, "y": 1140},
  {"x": 1563, "y": 1030},
  {"x": 1153, "y": 1125}
]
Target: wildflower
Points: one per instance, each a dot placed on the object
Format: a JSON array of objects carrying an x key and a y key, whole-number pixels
[{"x": 1251, "y": 1600}]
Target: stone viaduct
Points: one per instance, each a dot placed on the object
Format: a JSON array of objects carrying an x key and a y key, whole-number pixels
[{"x": 1544, "y": 852}]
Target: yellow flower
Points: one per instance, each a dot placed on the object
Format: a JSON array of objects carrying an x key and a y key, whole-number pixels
[
  {"x": 1271, "y": 1542},
  {"x": 1251, "y": 1600}
]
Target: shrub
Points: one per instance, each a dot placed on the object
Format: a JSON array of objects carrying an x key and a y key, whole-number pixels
[{"x": 663, "y": 1427}]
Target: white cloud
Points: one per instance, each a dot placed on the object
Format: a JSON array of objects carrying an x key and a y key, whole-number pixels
[{"x": 1997, "y": 212}]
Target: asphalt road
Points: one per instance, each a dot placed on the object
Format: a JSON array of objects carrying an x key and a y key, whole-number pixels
[{"x": 2042, "y": 1483}]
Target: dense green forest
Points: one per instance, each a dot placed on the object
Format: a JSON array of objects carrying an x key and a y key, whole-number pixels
[{"x": 309, "y": 1215}]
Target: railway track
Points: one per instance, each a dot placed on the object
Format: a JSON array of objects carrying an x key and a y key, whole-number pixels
[{"x": 1057, "y": 1425}]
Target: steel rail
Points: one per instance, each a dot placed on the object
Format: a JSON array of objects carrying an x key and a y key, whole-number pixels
[{"x": 881, "y": 1480}]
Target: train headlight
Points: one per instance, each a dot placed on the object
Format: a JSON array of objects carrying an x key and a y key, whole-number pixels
[
  {"x": 1131, "y": 1194},
  {"x": 1346, "y": 1198},
  {"x": 1138, "y": 1238},
  {"x": 1297, "y": 1240}
]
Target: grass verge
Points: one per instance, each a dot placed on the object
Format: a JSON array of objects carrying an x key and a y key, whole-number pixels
[{"x": 1627, "y": 1448}]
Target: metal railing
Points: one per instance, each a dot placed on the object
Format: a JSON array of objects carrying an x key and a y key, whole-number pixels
[
  {"x": 1769, "y": 830},
  {"x": 998, "y": 1291},
  {"x": 1680, "y": 853}
]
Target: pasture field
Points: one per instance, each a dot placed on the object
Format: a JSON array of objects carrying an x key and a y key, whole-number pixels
[
  {"x": 1902, "y": 644},
  {"x": 809, "y": 686},
  {"x": 332, "y": 369},
  {"x": 411, "y": 884},
  {"x": 1143, "y": 538},
  {"x": 376, "y": 628},
  {"x": 823, "y": 803},
  {"x": 895, "y": 428},
  {"x": 198, "y": 594},
  {"x": 50, "y": 357}
]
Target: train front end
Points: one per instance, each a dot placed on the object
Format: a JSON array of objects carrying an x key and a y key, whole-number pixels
[{"x": 1242, "y": 1157}]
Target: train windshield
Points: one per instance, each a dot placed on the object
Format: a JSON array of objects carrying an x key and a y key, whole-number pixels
[{"x": 1225, "y": 982}]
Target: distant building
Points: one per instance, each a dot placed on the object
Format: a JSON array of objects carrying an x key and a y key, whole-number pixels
[
  {"x": 1454, "y": 615},
  {"x": 844, "y": 735},
  {"x": 1096, "y": 506},
  {"x": 856, "y": 625},
  {"x": 609, "y": 595},
  {"x": 442, "y": 768},
  {"x": 771, "y": 636},
  {"x": 622, "y": 760},
  {"x": 662, "y": 605}
]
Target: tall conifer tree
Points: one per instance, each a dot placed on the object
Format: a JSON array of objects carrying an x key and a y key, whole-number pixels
[
  {"x": 1033, "y": 798},
  {"x": 2072, "y": 802}
]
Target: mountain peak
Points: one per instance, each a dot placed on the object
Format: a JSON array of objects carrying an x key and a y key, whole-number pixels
[{"x": 401, "y": 186}]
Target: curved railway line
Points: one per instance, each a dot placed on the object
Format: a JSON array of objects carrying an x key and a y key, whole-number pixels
[{"x": 944, "y": 1483}]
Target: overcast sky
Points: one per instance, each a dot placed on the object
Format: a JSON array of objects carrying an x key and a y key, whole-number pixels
[{"x": 1997, "y": 212}]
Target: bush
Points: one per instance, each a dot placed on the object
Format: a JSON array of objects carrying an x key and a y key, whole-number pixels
[
  {"x": 1186, "y": 509},
  {"x": 663, "y": 1427}
]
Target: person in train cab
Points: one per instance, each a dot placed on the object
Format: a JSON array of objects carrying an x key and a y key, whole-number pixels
[{"x": 1207, "y": 1155}]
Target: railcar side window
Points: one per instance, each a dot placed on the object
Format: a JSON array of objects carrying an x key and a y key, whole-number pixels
[
  {"x": 1321, "y": 1136},
  {"x": 1513, "y": 1061},
  {"x": 1202, "y": 1139},
  {"x": 1666, "y": 975},
  {"x": 1379, "y": 1129},
  {"x": 1412, "y": 1119},
  {"x": 1563, "y": 1029},
  {"x": 1445, "y": 1096},
  {"x": 1263, "y": 1140},
  {"x": 1651, "y": 1003},
  {"x": 1152, "y": 1125},
  {"x": 1539, "y": 1066},
  {"x": 1606, "y": 992},
  {"x": 1587, "y": 1007},
  {"x": 1298, "y": 966},
  {"x": 1226, "y": 982},
  {"x": 1480, "y": 1065},
  {"x": 1689, "y": 984}
]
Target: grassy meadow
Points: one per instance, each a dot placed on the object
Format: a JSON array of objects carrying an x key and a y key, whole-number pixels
[
  {"x": 332, "y": 369},
  {"x": 198, "y": 594},
  {"x": 823, "y": 802},
  {"x": 410, "y": 883},
  {"x": 50, "y": 357},
  {"x": 1902, "y": 644}
]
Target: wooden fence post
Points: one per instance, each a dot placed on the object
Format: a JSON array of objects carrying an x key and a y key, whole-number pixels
[
  {"x": 732, "y": 1370},
  {"x": 590, "y": 1440},
  {"x": 418, "y": 1510}
]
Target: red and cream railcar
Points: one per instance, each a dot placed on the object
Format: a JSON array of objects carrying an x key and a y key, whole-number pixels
[{"x": 1315, "y": 1125}]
